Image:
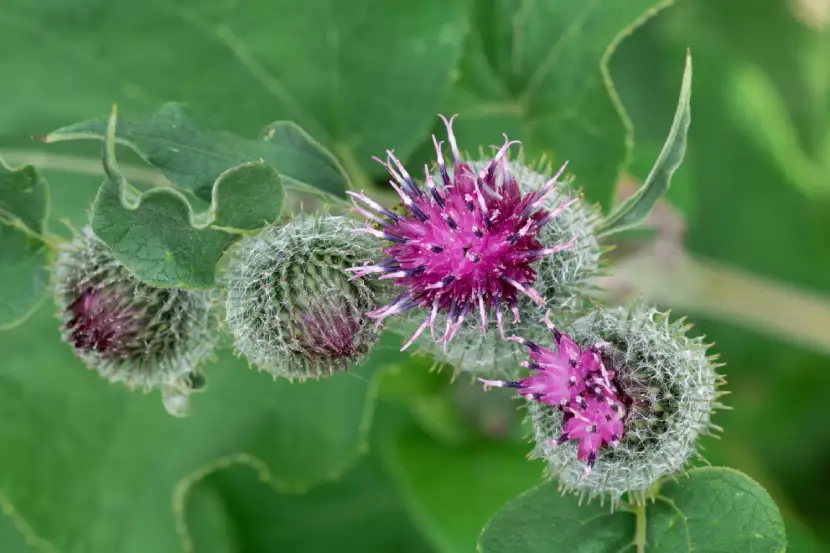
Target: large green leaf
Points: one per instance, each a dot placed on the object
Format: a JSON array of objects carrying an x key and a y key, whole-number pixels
[
  {"x": 452, "y": 491},
  {"x": 538, "y": 72},
  {"x": 24, "y": 206},
  {"x": 156, "y": 235},
  {"x": 192, "y": 158},
  {"x": 95, "y": 468},
  {"x": 359, "y": 76},
  {"x": 712, "y": 510},
  {"x": 360, "y": 513}
]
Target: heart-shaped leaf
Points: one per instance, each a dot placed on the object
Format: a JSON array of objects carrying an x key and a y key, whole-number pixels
[{"x": 711, "y": 510}]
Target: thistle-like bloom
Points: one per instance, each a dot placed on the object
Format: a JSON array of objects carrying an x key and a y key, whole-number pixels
[
  {"x": 467, "y": 244},
  {"x": 631, "y": 407},
  {"x": 576, "y": 382}
]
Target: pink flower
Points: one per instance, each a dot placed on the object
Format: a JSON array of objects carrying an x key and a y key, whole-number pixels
[
  {"x": 577, "y": 382},
  {"x": 467, "y": 244}
]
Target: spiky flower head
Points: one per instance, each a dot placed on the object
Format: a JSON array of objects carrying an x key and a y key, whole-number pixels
[
  {"x": 622, "y": 403},
  {"x": 126, "y": 330},
  {"x": 467, "y": 245},
  {"x": 292, "y": 308}
]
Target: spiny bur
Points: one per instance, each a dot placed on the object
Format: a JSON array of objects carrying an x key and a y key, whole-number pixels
[
  {"x": 293, "y": 309},
  {"x": 128, "y": 331}
]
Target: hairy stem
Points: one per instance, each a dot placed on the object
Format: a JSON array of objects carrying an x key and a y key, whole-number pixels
[{"x": 640, "y": 532}]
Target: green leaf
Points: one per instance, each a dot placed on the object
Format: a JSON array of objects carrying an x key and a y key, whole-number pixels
[
  {"x": 75, "y": 447},
  {"x": 23, "y": 274},
  {"x": 24, "y": 206},
  {"x": 360, "y": 76},
  {"x": 208, "y": 522},
  {"x": 156, "y": 235},
  {"x": 634, "y": 210},
  {"x": 542, "y": 520},
  {"x": 716, "y": 510},
  {"x": 711, "y": 510},
  {"x": 359, "y": 513},
  {"x": 24, "y": 198},
  {"x": 193, "y": 159},
  {"x": 538, "y": 71},
  {"x": 452, "y": 491}
]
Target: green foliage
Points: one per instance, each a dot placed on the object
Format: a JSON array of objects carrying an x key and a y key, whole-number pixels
[
  {"x": 24, "y": 207},
  {"x": 360, "y": 512},
  {"x": 72, "y": 446},
  {"x": 715, "y": 510},
  {"x": 635, "y": 209},
  {"x": 193, "y": 159},
  {"x": 451, "y": 492},
  {"x": 87, "y": 467},
  {"x": 156, "y": 235},
  {"x": 539, "y": 72}
]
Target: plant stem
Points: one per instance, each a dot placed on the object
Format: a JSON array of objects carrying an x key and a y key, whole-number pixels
[
  {"x": 722, "y": 292},
  {"x": 640, "y": 533}
]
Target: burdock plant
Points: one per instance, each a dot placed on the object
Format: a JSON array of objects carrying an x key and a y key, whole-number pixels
[{"x": 484, "y": 263}]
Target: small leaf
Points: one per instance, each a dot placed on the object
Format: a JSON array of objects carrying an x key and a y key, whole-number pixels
[
  {"x": 192, "y": 158},
  {"x": 248, "y": 197},
  {"x": 635, "y": 209},
  {"x": 24, "y": 206},
  {"x": 712, "y": 510},
  {"x": 156, "y": 235}
]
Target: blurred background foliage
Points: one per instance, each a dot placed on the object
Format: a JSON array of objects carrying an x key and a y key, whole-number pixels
[{"x": 89, "y": 467}]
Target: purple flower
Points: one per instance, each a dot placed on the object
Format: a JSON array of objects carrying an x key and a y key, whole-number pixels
[
  {"x": 467, "y": 244},
  {"x": 102, "y": 321},
  {"x": 576, "y": 382}
]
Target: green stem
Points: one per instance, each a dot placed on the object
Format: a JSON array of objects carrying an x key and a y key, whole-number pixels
[{"x": 640, "y": 533}]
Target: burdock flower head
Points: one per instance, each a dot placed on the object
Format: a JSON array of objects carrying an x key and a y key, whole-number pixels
[
  {"x": 467, "y": 245},
  {"x": 621, "y": 404},
  {"x": 126, "y": 330},
  {"x": 291, "y": 307}
]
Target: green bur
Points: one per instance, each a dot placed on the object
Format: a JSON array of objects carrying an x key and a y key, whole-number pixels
[
  {"x": 128, "y": 331},
  {"x": 671, "y": 385},
  {"x": 290, "y": 304}
]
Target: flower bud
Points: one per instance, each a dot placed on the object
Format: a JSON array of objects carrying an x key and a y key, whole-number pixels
[
  {"x": 126, "y": 330},
  {"x": 293, "y": 309}
]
